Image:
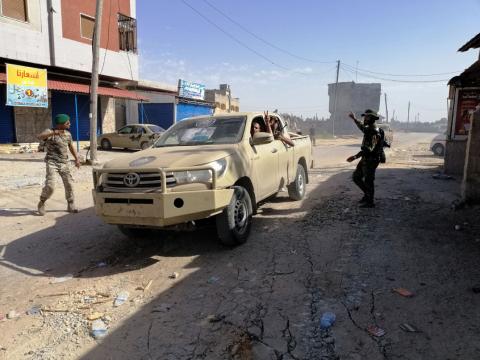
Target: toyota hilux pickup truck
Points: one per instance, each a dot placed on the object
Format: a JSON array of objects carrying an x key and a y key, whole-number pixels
[{"x": 210, "y": 167}]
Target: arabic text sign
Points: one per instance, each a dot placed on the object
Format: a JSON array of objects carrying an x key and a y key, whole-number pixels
[
  {"x": 191, "y": 90},
  {"x": 26, "y": 86}
]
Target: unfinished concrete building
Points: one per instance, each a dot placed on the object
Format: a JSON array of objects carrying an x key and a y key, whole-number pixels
[{"x": 354, "y": 97}]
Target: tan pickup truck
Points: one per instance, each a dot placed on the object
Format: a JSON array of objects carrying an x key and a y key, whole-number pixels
[{"x": 203, "y": 167}]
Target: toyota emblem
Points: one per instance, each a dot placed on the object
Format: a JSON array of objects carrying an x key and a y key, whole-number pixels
[{"x": 131, "y": 179}]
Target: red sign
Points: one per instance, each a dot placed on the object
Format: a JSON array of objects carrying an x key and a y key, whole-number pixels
[{"x": 468, "y": 100}]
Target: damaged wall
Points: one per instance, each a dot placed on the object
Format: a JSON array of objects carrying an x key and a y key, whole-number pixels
[{"x": 471, "y": 175}]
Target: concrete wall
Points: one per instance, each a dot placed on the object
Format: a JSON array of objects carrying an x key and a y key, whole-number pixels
[
  {"x": 107, "y": 114},
  {"x": 26, "y": 41},
  {"x": 352, "y": 97},
  {"x": 220, "y": 98},
  {"x": 31, "y": 121},
  {"x": 471, "y": 175},
  {"x": 455, "y": 156}
]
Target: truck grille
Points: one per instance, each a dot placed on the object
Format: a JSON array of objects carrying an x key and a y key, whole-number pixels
[{"x": 135, "y": 182}]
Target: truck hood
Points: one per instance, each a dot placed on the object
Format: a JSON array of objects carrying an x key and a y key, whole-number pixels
[{"x": 172, "y": 157}]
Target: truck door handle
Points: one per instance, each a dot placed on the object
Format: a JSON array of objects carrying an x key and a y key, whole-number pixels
[{"x": 274, "y": 151}]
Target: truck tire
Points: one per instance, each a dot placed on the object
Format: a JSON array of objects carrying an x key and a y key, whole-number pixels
[
  {"x": 133, "y": 232},
  {"x": 235, "y": 222},
  {"x": 106, "y": 144},
  {"x": 296, "y": 190}
]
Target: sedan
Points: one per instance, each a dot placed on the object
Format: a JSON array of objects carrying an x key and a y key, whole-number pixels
[
  {"x": 133, "y": 136},
  {"x": 438, "y": 145}
]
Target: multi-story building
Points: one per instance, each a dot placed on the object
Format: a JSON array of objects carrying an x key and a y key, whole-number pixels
[
  {"x": 354, "y": 97},
  {"x": 56, "y": 35},
  {"x": 224, "y": 102}
]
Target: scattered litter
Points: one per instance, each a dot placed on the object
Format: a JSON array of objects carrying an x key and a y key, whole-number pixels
[
  {"x": 441, "y": 176},
  {"x": 121, "y": 298},
  {"x": 107, "y": 319},
  {"x": 213, "y": 279},
  {"x": 327, "y": 320},
  {"x": 99, "y": 329},
  {"x": 375, "y": 331},
  {"x": 346, "y": 210},
  {"x": 148, "y": 286},
  {"x": 52, "y": 295},
  {"x": 163, "y": 307},
  {"x": 101, "y": 264},
  {"x": 403, "y": 292},
  {"x": 88, "y": 299},
  {"x": 215, "y": 318},
  {"x": 55, "y": 310},
  {"x": 174, "y": 275},
  {"x": 476, "y": 289},
  {"x": 34, "y": 310},
  {"x": 458, "y": 227},
  {"x": 12, "y": 314},
  {"x": 293, "y": 252},
  {"x": 62, "y": 279},
  {"x": 2, "y": 317},
  {"x": 95, "y": 316},
  {"x": 408, "y": 328},
  {"x": 406, "y": 198}
]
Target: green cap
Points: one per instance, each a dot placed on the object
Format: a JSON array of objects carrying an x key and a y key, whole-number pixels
[{"x": 61, "y": 119}]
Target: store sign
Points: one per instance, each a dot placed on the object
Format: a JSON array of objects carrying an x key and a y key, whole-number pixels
[
  {"x": 468, "y": 101},
  {"x": 191, "y": 90},
  {"x": 26, "y": 86}
]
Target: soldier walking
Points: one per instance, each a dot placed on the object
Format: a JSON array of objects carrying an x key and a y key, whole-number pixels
[
  {"x": 57, "y": 143},
  {"x": 370, "y": 154}
]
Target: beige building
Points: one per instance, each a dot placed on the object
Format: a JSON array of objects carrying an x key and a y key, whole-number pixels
[{"x": 223, "y": 100}]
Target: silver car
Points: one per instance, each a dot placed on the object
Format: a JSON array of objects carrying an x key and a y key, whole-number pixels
[{"x": 438, "y": 144}]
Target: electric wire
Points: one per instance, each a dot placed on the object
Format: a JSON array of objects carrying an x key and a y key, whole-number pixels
[
  {"x": 399, "y": 75},
  {"x": 262, "y": 39},
  {"x": 394, "y": 80}
]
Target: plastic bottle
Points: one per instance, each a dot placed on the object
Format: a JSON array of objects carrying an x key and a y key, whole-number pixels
[
  {"x": 121, "y": 298},
  {"x": 327, "y": 320},
  {"x": 99, "y": 329}
]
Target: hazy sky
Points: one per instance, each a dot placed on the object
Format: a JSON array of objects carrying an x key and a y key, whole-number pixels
[{"x": 393, "y": 37}]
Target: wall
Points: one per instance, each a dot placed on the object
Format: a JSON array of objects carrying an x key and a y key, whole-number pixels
[
  {"x": 29, "y": 122},
  {"x": 352, "y": 97},
  {"x": 471, "y": 175},
  {"x": 26, "y": 41},
  {"x": 455, "y": 157},
  {"x": 72, "y": 54},
  {"x": 107, "y": 114},
  {"x": 221, "y": 101}
]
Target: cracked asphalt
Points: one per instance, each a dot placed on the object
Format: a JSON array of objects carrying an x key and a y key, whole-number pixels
[{"x": 264, "y": 299}]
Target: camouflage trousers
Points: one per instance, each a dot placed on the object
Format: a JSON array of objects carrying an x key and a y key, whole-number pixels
[
  {"x": 64, "y": 171},
  {"x": 364, "y": 177}
]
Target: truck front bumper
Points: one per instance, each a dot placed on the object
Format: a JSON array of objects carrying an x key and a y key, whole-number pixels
[{"x": 160, "y": 209}]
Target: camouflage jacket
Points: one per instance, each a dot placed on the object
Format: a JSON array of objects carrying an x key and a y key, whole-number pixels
[
  {"x": 371, "y": 144},
  {"x": 57, "y": 147}
]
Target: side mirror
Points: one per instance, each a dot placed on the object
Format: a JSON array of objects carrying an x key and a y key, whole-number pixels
[{"x": 260, "y": 138}]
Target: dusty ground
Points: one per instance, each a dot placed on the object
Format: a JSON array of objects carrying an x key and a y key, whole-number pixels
[{"x": 262, "y": 300}]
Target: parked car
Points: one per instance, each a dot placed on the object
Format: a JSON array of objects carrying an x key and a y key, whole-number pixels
[
  {"x": 438, "y": 144},
  {"x": 133, "y": 136},
  {"x": 200, "y": 168}
]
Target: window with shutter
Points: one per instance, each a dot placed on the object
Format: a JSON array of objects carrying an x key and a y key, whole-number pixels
[
  {"x": 87, "y": 25},
  {"x": 15, "y": 9},
  {"x": 127, "y": 33}
]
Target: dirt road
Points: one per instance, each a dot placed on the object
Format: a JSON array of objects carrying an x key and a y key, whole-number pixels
[{"x": 191, "y": 298}]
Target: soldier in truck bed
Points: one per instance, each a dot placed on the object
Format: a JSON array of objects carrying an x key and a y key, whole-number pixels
[{"x": 370, "y": 154}]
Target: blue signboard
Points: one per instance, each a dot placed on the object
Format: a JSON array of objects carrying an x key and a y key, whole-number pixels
[{"x": 191, "y": 90}]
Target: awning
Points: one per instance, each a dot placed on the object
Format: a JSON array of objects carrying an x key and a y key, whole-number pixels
[{"x": 68, "y": 86}]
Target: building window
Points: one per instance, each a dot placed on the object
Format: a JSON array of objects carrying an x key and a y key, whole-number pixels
[
  {"x": 127, "y": 33},
  {"x": 87, "y": 25},
  {"x": 15, "y": 9}
]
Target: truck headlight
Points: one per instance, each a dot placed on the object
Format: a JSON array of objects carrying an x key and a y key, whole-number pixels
[{"x": 201, "y": 176}]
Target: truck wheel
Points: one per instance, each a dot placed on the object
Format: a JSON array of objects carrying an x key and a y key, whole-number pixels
[
  {"x": 106, "y": 145},
  {"x": 296, "y": 190},
  {"x": 235, "y": 222},
  {"x": 133, "y": 232}
]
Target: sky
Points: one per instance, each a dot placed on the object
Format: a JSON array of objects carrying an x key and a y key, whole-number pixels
[{"x": 282, "y": 54}]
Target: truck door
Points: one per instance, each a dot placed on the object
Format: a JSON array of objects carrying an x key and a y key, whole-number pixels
[{"x": 265, "y": 167}]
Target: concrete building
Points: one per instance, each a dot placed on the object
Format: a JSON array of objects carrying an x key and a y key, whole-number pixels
[
  {"x": 223, "y": 100},
  {"x": 57, "y": 35},
  {"x": 354, "y": 97}
]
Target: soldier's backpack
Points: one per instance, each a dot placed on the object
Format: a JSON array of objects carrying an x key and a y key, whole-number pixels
[{"x": 384, "y": 144}]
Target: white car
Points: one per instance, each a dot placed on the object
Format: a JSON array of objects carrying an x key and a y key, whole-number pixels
[{"x": 438, "y": 145}]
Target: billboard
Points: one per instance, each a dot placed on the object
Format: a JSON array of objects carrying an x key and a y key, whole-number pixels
[
  {"x": 191, "y": 90},
  {"x": 468, "y": 100},
  {"x": 26, "y": 86}
]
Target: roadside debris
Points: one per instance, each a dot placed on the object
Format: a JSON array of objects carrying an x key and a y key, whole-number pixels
[
  {"x": 99, "y": 329},
  {"x": 144, "y": 288},
  {"x": 327, "y": 320},
  {"x": 121, "y": 298},
  {"x": 375, "y": 331},
  {"x": 34, "y": 310},
  {"x": 403, "y": 292},
  {"x": 2, "y": 317},
  {"x": 95, "y": 316},
  {"x": 62, "y": 279},
  {"x": 101, "y": 264},
  {"x": 213, "y": 280},
  {"x": 408, "y": 328},
  {"x": 174, "y": 275},
  {"x": 440, "y": 176},
  {"x": 12, "y": 314},
  {"x": 215, "y": 318}
]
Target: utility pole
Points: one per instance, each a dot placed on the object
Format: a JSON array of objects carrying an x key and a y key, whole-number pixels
[
  {"x": 408, "y": 115},
  {"x": 94, "y": 86},
  {"x": 393, "y": 116},
  {"x": 334, "y": 115},
  {"x": 386, "y": 107}
]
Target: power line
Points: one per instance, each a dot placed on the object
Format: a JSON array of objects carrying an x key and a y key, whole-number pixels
[
  {"x": 395, "y": 80},
  {"x": 262, "y": 39},
  {"x": 400, "y": 75}
]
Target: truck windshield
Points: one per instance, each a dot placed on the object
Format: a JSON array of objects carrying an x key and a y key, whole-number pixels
[{"x": 208, "y": 130}]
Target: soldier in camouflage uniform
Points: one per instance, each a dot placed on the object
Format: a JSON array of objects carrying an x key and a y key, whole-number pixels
[
  {"x": 57, "y": 143},
  {"x": 370, "y": 154}
]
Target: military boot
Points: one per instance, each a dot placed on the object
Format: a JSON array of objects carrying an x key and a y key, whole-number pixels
[
  {"x": 72, "y": 208},
  {"x": 41, "y": 208}
]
